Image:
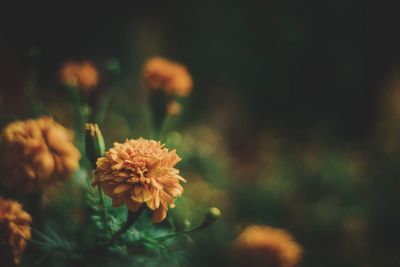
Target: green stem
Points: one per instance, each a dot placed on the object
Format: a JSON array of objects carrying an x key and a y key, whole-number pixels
[
  {"x": 156, "y": 134},
  {"x": 36, "y": 108},
  {"x": 158, "y": 101},
  {"x": 101, "y": 113},
  {"x": 79, "y": 119},
  {"x": 164, "y": 127},
  {"x": 190, "y": 230}
]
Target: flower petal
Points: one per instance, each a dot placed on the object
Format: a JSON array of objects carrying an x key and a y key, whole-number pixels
[
  {"x": 159, "y": 214},
  {"x": 122, "y": 188},
  {"x": 133, "y": 205}
]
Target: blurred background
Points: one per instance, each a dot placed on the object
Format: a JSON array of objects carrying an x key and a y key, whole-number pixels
[{"x": 294, "y": 118}]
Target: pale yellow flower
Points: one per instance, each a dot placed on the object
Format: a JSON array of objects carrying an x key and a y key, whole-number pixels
[
  {"x": 260, "y": 245},
  {"x": 171, "y": 77},
  {"x": 81, "y": 74},
  {"x": 15, "y": 230},
  {"x": 140, "y": 172},
  {"x": 36, "y": 153}
]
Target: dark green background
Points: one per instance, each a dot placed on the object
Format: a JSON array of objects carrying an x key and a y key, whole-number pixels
[{"x": 305, "y": 69}]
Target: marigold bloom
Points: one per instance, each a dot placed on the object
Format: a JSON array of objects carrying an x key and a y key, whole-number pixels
[
  {"x": 83, "y": 75},
  {"x": 69, "y": 73},
  {"x": 162, "y": 74},
  {"x": 88, "y": 75},
  {"x": 37, "y": 152},
  {"x": 140, "y": 172},
  {"x": 15, "y": 230},
  {"x": 266, "y": 246}
]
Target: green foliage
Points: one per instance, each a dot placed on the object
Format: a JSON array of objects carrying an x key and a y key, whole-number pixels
[{"x": 95, "y": 243}]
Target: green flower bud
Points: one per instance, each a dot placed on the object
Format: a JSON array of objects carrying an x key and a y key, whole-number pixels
[
  {"x": 212, "y": 215},
  {"x": 94, "y": 142},
  {"x": 187, "y": 224}
]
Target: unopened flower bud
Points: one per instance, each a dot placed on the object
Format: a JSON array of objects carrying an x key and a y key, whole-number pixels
[
  {"x": 94, "y": 142},
  {"x": 187, "y": 224},
  {"x": 174, "y": 108},
  {"x": 212, "y": 215}
]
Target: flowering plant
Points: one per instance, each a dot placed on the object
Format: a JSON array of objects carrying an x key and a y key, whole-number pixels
[
  {"x": 72, "y": 200},
  {"x": 82, "y": 199}
]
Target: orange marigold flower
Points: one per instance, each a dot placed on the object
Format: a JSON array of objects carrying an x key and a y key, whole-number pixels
[
  {"x": 15, "y": 230},
  {"x": 69, "y": 73},
  {"x": 140, "y": 172},
  {"x": 162, "y": 74},
  {"x": 83, "y": 75},
  {"x": 37, "y": 152},
  {"x": 266, "y": 246},
  {"x": 88, "y": 76}
]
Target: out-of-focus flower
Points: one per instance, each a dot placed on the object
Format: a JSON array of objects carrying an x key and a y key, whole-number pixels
[
  {"x": 37, "y": 152},
  {"x": 163, "y": 74},
  {"x": 83, "y": 75},
  {"x": 15, "y": 230},
  {"x": 68, "y": 73},
  {"x": 88, "y": 76},
  {"x": 266, "y": 246},
  {"x": 140, "y": 172},
  {"x": 174, "y": 108}
]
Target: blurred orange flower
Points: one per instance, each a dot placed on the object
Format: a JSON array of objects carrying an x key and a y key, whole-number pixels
[
  {"x": 163, "y": 74},
  {"x": 174, "y": 108},
  {"x": 140, "y": 172},
  {"x": 261, "y": 245},
  {"x": 83, "y": 75},
  {"x": 37, "y": 152},
  {"x": 15, "y": 230}
]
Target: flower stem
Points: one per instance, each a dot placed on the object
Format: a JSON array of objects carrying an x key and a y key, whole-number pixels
[
  {"x": 79, "y": 117},
  {"x": 212, "y": 215},
  {"x": 35, "y": 105},
  {"x": 101, "y": 113},
  {"x": 158, "y": 106},
  {"x": 190, "y": 230}
]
